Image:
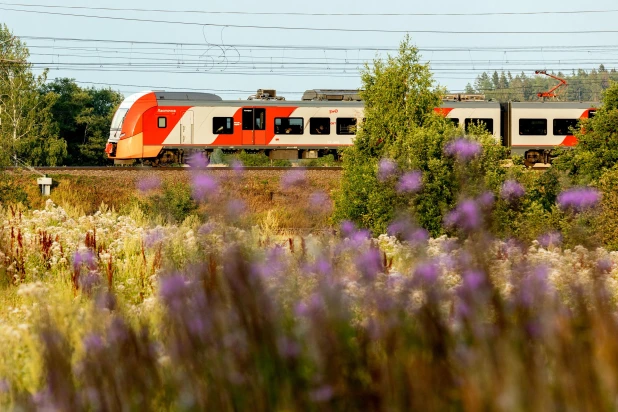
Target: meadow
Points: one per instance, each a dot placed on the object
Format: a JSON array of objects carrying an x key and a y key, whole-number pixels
[{"x": 136, "y": 307}]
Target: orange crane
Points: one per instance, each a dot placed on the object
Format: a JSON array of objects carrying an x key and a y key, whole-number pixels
[{"x": 550, "y": 93}]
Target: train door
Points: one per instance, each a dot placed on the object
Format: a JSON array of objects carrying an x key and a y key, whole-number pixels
[
  {"x": 253, "y": 126},
  {"x": 186, "y": 128}
]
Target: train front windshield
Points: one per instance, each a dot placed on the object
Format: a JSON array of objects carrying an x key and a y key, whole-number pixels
[{"x": 118, "y": 119}]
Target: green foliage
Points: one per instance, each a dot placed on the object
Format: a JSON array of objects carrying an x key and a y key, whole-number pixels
[
  {"x": 597, "y": 148},
  {"x": 82, "y": 118},
  {"x": 174, "y": 203},
  {"x": 26, "y": 127},
  {"x": 400, "y": 124},
  {"x": 323, "y": 161},
  {"x": 582, "y": 85},
  {"x": 11, "y": 192}
]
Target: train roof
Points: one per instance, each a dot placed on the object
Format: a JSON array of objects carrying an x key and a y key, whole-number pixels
[{"x": 187, "y": 96}]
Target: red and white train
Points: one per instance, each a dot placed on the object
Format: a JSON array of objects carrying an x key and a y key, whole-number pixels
[{"x": 163, "y": 127}]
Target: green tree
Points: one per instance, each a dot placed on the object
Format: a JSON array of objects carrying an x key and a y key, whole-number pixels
[
  {"x": 597, "y": 149},
  {"x": 83, "y": 118},
  {"x": 26, "y": 127},
  {"x": 400, "y": 124}
]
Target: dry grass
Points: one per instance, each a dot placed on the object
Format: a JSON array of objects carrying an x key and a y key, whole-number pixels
[{"x": 260, "y": 190}]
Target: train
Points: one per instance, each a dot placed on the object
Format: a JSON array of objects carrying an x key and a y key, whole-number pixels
[{"x": 159, "y": 127}]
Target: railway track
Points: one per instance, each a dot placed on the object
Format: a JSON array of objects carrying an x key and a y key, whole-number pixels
[{"x": 60, "y": 169}]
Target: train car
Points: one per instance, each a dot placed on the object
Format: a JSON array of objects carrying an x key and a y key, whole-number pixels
[
  {"x": 534, "y": 128},
  {"x": 164, "y": 127}
]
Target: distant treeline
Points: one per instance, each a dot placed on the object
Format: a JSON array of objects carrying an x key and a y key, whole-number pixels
[{"x": 582, "y": 85}]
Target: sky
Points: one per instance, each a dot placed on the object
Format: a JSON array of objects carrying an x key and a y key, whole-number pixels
[{"x": 233, "y": 48}]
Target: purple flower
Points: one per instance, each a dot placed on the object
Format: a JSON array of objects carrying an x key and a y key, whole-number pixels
[
  {"x": 149, "y": 183},
  {"x": 347, "y": 228},
  {"x": 472, "y": 279},
  {"x": 320, "y": 202},
  {"x": 466, "y": 216},
  {"x": 369, "y": 264},
  {"x": 293, "y": 178},
  {"x": 428, "y": 271},
  {"x": 237, "y": 165},
  {"x": 314, "y": 304},
  {"x": 288, "y": 348},
  {"x": 386, "y": 169},
  {"x": 83, "y": 257},
  {"x": 408, "y": 232},
  {"x": 198, "y": 160},
  {"x": 550, "y": 239},
  {"x": 203, "y": 186},
  {"x": 206, "y": 229},
  {"x": 410, "y": 182},
  {"x": 485, "y": 200},
  {"x": 604, "y": 265},
  {"x": 511, "y": 190},
  {"x": 579, "y": 199},
  {"x": 463, "y": 149},
  {"x": 172, "y": 288}
]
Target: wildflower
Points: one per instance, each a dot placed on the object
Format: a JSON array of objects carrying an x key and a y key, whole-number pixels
[
  {"x": 369, "y": 264},
  {"x": 347, "y": 228},
  {"x": 550, "y": 239},
  {"x": 511, "y": 190},
  {"x": 472, "y": 279},
  {"x": 579, "y": 199},
  {"x": 463, "y": 149},
  {"x": 83, "y": 257},
  {"x": 408, "y": 232},
  {"x": 93, "y": 343},
  {"x": 466, "y": 215},
  {"x": 428, "y": 271},
  {"x": 293, "y": 178},
  {"x": 203, "y": 186},
  {"x": 386, "y": 169},
  {"x": 237, "y": 165},
  {"x": 198, "y": 160},
  {"x": 410, "y": 182},
  {"x": 154, "y": 237},
  {"x": 236, "y": 208},
  {"x": 604, "y": 265},
  {"x": 320, "y": 202},
  {"x": 149, "y": 183},
  {"x": 206, "y": 229},
  {"x": 288, "y": 348}
]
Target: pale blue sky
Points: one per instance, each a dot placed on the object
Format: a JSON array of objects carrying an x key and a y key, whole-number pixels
[{"x": 235, "y": 61}]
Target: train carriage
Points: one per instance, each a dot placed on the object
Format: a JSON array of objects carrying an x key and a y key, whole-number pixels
[{"x": 163, "y": 127}]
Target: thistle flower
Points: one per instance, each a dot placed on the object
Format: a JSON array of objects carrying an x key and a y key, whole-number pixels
[
  {"x": 466, "y": 216},
  {"x": 410, "y": 182},
  {"x": 511, "y": 190},
  {"x": 203, "y": 186},
  {"x": 347, "y": 228},
  {"x": 427, "y": 271},
  {"x": 148, "y": 184},
  {"x": 386, "y": 169},
  {"x": 369, "y": 264},
  {"x": 320, "y": 202},
  {"x": 463, "y": 149},
  {"x": 198, "y": 160},
  {"x": 293, "y": 178},
  {"x": 579, "y": 199}
]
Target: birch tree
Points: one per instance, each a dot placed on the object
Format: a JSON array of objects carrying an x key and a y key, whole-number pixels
[{"x": 26, "y": 128}]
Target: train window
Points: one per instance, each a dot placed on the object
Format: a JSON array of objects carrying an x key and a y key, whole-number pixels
[
  {"x": 591, "y": 113},
  {"x": 562, "y": 126},
  {"x": 223, "y": 125},
  {"x": 454, "y": 120},
  {"x": 319, "y": 125},
  {"x": 533, "y": 127},
  {"x": 346, "y": 125},
  {"x": 162, "y": 122},
  {"x": 254, "y": 119},
  {"x": 488, "y": 123},
  {"x": 289, "y": 125},
  {"x": 260, "y": 119}
]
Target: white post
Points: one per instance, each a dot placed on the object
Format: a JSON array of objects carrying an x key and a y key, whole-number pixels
[{"x": 45, "y": 185}]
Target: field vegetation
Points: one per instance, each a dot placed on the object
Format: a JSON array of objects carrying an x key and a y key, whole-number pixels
[{"x": 445, "y": 281}]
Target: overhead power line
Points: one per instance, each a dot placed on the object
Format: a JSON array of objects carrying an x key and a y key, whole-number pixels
[
  {"x": 329, "y": 29},
  {"x": 397, "y": 14}
]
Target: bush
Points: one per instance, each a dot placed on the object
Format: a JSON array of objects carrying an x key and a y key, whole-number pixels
[{"x": 175, "y": 203}]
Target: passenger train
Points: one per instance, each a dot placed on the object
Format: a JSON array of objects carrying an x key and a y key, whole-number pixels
[{"x": 164, "y": 127}]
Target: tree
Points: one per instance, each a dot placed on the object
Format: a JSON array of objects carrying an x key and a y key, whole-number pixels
[
  {"x": 26, "y": 128},
  {"x": 400, "y": 125},
  {"x": 83, "y": 118},
  {"x": 597, "y": 149}
]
